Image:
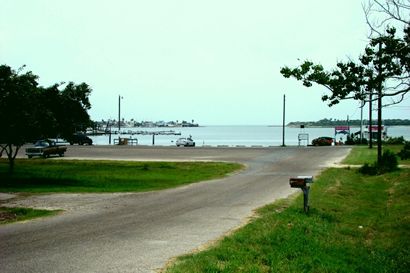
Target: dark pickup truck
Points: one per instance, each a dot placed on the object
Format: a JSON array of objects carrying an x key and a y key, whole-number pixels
[{"x": 45, "y": 148}]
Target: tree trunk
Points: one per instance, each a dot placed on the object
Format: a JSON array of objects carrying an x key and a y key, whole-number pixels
[
  {"x": 379, "y": 111},
  {"x": 11, "y": 155},
  {"x": 11, "y": 165},
  {"x": 379, "y": 131},
  {"x": 370, "y": 121}
]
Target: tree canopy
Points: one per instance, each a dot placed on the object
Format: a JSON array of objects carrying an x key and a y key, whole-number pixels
[
  {"x": 29, "y": 111},
  {"x": 381, "y": 72},
  {"x": 385, "y": 62}
]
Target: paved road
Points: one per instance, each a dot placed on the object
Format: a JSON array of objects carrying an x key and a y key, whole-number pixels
[{"x": 140, "y": 232}]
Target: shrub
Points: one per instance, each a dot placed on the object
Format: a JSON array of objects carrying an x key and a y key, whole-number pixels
[
  {"x": 350, "y": 140},
  {"x": 355, "y": 140},
  {"x": 405, "y": 152},
  {"x": 388, "y": 163},
  {"x": 395, "y": 140},
  {"x": 368, "y": 169}
]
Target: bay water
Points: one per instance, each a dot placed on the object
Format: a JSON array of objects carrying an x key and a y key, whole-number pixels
[{"x": 238, "y": 135}]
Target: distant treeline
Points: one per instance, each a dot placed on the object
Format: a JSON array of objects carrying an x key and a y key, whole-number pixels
[{"x": 354, "y": 122}]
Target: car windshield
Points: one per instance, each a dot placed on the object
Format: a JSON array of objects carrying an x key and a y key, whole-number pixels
[{"x": 42, "y": 143}]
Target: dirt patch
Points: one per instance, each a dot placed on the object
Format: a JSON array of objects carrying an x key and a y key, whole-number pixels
[{"x": 6, "y": 216}]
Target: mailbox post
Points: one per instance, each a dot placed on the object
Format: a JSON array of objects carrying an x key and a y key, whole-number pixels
[{"x": 303, "y": 183}]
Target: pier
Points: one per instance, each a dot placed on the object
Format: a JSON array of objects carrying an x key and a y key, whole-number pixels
[
  {"x": 132, "y": 141},
  {"x": 131, "y": 132}
]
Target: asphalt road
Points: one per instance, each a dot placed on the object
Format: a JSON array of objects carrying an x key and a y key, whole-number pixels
[{"x": 140, "y": 232}]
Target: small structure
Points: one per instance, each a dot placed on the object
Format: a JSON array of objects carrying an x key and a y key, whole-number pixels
[
  {"x": 303, "y": 183},
  {"x": 125, "y": 141},
  {"x": 302, "y": 136},
  {"x": 343, "y": 130},
  {"x": 374, "y": 130}
]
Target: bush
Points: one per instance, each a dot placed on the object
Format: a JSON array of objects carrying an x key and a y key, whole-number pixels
[
  {"x": 368, "y": 169},
  {"x": 395, "y": 140},
  {"x": 350, "y": 140},
  {"x": 405, "y": 152},
  {"x": 388, "y": 163},
  {"x": 355, "y": 140}
]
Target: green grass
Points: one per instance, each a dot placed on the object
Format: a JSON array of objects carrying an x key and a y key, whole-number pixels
[
  {"x": 11, "y": 215},
  {"x": 362, "y": 154},
  {"x": 356, "y": 224},
  {"x": 44, "y": 176}
]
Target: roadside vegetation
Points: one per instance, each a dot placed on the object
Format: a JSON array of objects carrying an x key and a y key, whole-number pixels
[
  {"x": 357, "y": 223},
  {"x": 46, "y": 176},
  {"x": 11, "y": 215},
  {"x": 362, "y": 155}
]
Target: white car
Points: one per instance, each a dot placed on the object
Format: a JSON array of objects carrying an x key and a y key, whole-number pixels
[{"x": 185, "y": 142}]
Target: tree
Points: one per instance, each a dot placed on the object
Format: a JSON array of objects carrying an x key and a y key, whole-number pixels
[
  {"x": 73, "y": 99},
  {"x": 381, "y": 15},
  {"x": 29, "y": 111},
  {"x": 17, "y": 110},
  {"x": 385, "y": 17},
  {"x": 383, "y": 71}
]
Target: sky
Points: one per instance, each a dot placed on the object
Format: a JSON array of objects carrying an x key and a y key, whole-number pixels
[{"x": 216, "y": 62}]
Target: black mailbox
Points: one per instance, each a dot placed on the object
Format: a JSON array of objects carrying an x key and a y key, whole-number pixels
[
  {"x": 303, "y": 183},
  {"x": 300, "y": 181}
]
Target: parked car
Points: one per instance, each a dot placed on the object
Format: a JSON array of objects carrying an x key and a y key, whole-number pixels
[
  {"x": 80, "y": 139},
  {"x": 45, "y": 148},
  {"x": 322, "y": 141},
  {"x": 185, "y": 141}
]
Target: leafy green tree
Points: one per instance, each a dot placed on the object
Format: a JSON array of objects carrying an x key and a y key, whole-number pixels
[
  {"x": 66, "y": 110},
  {"x": 383, "y": 71},
  {"x": 17, "y": 110},
  {"x": 29, "y": 111}
]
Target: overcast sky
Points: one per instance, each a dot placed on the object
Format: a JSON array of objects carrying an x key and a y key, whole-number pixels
[{"x": 213, "y": 61}]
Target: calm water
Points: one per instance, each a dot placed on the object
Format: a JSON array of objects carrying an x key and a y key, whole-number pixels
[{"x": 239, "y": 135}]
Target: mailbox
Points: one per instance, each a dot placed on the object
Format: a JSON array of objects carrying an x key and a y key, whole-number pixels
[
  {"x": 300, "y": 181},
  {"x": 303, "y": 183}
]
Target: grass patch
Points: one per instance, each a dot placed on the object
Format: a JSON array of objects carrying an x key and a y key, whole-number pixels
[
  {"x": 356, "y": 224},
  {"x": 11, "y": 215},
  {"x": 44, "y": 176},
  {"x": 362, "y": 154}
]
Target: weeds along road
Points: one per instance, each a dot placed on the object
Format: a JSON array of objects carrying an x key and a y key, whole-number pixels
[{"x": 140, "y": 232}]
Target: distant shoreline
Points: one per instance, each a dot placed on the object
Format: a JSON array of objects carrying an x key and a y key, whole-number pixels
[
  {"x": 263, "y": 125},
  {"x": 351, "y": 123}
]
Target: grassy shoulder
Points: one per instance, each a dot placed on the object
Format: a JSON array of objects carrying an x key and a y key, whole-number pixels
[
  {"x": 45, "y": 176},
  {"x": 11, "y": 215},
  {"x": 362, "y": 154},
  {"x": 356, "y": 223}
]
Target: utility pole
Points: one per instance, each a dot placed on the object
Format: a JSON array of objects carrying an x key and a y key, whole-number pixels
[
  {"x": 119, "y": 113},
  {"x": 361, "y": 122},
  {"x": 283, "y": 123}
]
